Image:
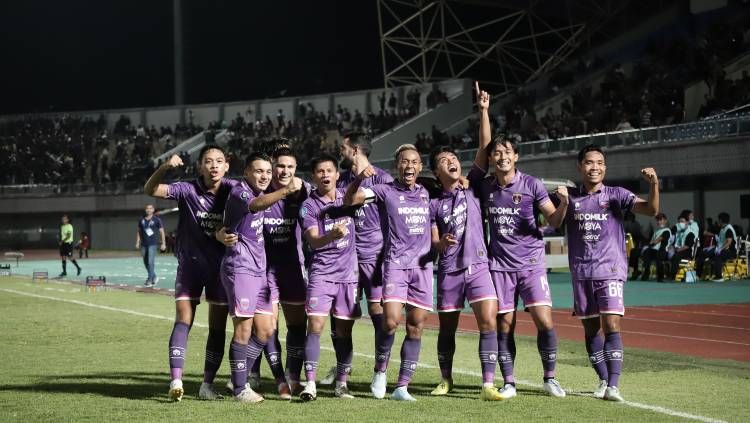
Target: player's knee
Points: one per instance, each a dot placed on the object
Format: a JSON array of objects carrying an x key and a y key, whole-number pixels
[
  {"x": 390, "y": 324},
  {"x": 486, "y": 325},
  {"x": 414, "y": 329}
]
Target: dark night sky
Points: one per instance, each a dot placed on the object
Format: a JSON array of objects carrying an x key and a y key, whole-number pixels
[{"x": 91, "y": 54}]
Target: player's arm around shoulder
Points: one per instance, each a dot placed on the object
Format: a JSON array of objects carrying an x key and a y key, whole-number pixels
[{"x": 153, "y": 186}]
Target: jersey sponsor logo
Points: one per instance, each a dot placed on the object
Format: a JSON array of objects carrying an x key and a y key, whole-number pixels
[
  {"x": 207, "y": 215},
  {"x": 591, "y": 216},
  {"x": 416, "y": 220},
  {"x": 514, "y": 211},
  {"x": 418, "y": 230},
  {"x": 279, "y": 221},
  {"x": 413, "y": 210},
  {"x": 516, "y": 198}
]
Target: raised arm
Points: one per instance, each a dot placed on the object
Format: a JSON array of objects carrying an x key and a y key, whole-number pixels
[
  {"x": 265, "y": 201},
  {"x": 649, "y": 207},
  {"x": 355, "y": 196},
  {"x": 485, "y": 131},
  {"x": 153, "y": 186}
]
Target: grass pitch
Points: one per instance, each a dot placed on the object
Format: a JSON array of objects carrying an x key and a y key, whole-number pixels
[{"x": 68, "y": 355}]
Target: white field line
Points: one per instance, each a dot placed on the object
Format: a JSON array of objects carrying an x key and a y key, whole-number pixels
[
  {"x": 705, "y": 313},
  {"x": 671, "y": 322},
  {"x": 654, "y": 408}
]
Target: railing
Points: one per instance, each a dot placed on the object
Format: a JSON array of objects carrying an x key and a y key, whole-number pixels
[{"x": 693, "y": 131}]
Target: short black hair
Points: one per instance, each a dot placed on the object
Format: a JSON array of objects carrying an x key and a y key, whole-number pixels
[
  {"x": 322, "y": 159},
  {"x": 283, "y": 151},
  {"x": 501, "y": 140},
  {"x": 436, "y": 152},
  {"x": 256, "y": 155},
  {"x": 360, "y": 140},
  {"x": 587, "y": 149},
  {"x": 724, "y": 217},
  {"x": 685, "y": 214},
  {"x": 660, "y": 216},
  {"x": 210, "y": 147}
]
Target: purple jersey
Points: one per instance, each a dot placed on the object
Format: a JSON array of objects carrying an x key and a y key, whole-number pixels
[
  {"x": 515, "y": 239},
  {"x": 458, "y": 213},
  {"x": 200, "y": 216},
  {"x": 596, "y": 239},
  {"x": 249, "y": 254},
  {"x": 337, "y": 260},
  {"x": 281, "y": 230},
  {"x": 368, "y": 221},
  {"x": 409, "y": 239}
]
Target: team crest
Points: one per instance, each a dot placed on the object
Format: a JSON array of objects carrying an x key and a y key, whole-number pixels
[
  {"x": 244, "y": 304},
  {"x": 604, "y": 205},
  {"x": 389, "y": 288},
  {"x": 313, "y": 302},
  {"x": 202, "y": 201},
  {"x": 577, "y": 206},
  {"x": 244, "y": 195},
  {"x": 516, "y": 198},
  {"x": 401, "y": 198}
]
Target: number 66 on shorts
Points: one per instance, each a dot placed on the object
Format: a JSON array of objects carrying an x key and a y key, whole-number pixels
[{"x": 592, "y": 298}]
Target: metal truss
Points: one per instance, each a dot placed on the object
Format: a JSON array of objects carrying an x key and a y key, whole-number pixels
[{"x": 504, "y": 43}]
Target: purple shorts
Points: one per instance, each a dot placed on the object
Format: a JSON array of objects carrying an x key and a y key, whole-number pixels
[
  {"x": 244, "y": 292},
  {"x": 409, "y": 286},
  {"x": 531, "y": 285},
  {"x": 268, "y": 295},
  {"x": 192, "y": 278},
  {"x": 473, "y": 284},
  {"x": 339, "y": 299},
  {"x": 288, "y": 284},
  {"x": 592, "y": 298},
  {"x": 371, "y": 281}
]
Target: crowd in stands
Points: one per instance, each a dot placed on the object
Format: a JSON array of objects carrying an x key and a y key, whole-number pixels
[
  {"x": 69, "y": 149},
  {"x": 652, "y": 94},
  {"x": 315, "y": 131}
]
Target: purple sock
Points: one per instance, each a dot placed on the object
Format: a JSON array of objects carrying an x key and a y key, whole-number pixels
[
  {"x": 409, "y": 360},
  {"x": 344, "y": 353},
  {"x": 512, "y": 346},
  {"x": 214, "y": 354},
  {"x": 255, "y": 365},
  {"x": 446, "y": 347},
  {"x": 487, "y": 355},
  {"x": 273, "y": 356},
  {"x": 238, "y": 366},
  {"x": 383, "y": 347},
  {"x": 254, "y": 349},
  {"x": 505, "y": 357},
  {"x": 295, "y": 351},
  {"x": 312, "y": 355},
  {"x": 377, "y": 325},
  {"x": 595, "y": 348},
  {"x": 546, "y": 343},
  {"x": 177, "y": 347},
  {"x": 613, "y": 355}
]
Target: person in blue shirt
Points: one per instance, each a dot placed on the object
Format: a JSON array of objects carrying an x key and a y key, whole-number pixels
[{"x": 149, "y": 235}]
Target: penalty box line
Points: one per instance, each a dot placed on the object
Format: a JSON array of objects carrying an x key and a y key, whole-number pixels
[{"x": 654, "y": 408}]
